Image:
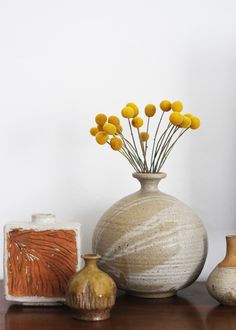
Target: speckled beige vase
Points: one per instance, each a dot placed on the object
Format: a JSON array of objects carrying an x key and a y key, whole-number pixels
[
  {"x": 151, "y": 243},
  {"x": 221, "y": 283}
]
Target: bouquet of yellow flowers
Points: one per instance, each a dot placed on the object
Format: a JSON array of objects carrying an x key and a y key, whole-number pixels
[{"x": 136, "y": 147}]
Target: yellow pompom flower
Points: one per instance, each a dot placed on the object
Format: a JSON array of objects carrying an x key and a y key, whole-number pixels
[
  {"x": 195, "y": 122},
  {"x": 176, "y": 118},
  {"x": 119, "y": 129},
  {"x": 137, "y": 122},
  {"x": 133, "y": 106},
  {"x": 189, "y": 115},
  {"x": 116, "y": 143},
  {"x": 127, "y": 112},
  {"x": 102, "y": 137},
  {"x": 100, "y": 128},
  {"x": 177, "y": 106},
  {"x": 93, "y": 131},
  {"x": 186, "y": 123},
  {"x": 114, "y": 120},
  {"x": 165, "y": 105},
  {"x": 150, "y": 110},
  {"x": 101, "y": 119},
  {"x": 109, "y": 128},
  {"x": 144, "y": 136}
]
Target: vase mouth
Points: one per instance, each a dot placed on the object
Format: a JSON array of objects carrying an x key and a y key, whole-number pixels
[
  {"x": 149, "y": 176},
  {"x": 230, "y": 237},
  {"x": 91, "y": 256}
]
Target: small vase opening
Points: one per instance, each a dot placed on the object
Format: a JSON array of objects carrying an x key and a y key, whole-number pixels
[
  {"x": 149, "y": 181},
  {"x": 230, "y": 257}
]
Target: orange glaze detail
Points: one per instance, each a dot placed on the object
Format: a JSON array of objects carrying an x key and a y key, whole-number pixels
[{"x": 40, "y": 263}]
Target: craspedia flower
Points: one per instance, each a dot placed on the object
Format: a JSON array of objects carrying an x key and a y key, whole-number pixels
[
  {"x": 114, "y": 120},
  {"x": 177, "y": 106},
  {"x": 144, "y": 136},
  {"x": 186, "y": 123},
  {"x": 100, "y": 128},
  {"x": 119, "y": 129},
  {"x": 176, "y": 118},
  {"x": 127, "y": 112},
  {"x": 102, "y": 137},
  {"x": 93, "y": 131},
  {"x": 109, "y": 128},
  {"x": 137, "y": 122},
  {"x": 150, "y": 110},
  {"x": 195, "y": 122},
  {"x": 116, "y": 143},
  {"x": 133, "y": 106},
  {"x": 101, "y": 119},
  {"x": 165, "y": 105}
]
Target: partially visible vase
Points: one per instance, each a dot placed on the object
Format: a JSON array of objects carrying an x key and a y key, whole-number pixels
[
  {"x": 221, "y": 283},
  {"x": 151, "y": 243},
  {"x": 91, "y": 292}
]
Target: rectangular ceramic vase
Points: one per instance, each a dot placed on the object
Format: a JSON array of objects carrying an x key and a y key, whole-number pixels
[{"x": 40, "y": 257}]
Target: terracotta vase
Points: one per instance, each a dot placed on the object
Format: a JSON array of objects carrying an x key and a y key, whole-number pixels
[
  {"x": 151, "y": 243},
  {"x": 221, "y": 283},
  {"x": 91, "y": 292}
]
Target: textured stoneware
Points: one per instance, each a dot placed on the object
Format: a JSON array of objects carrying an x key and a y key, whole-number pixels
[
  {"x": 151, "y": 243},
  {"x": 221, "y": 283},
  {"x": 40, "y": 258},
  {"x": 91, "y": 291}
]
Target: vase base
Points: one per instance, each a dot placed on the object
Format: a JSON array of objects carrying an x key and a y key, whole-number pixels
[
  {"x": 152, "y": 294},
  {"x": 92, "y": 315}
]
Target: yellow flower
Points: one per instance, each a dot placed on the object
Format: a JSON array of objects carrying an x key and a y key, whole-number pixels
[
  {"x": 144, "y": 136},
  {"x": 100, "y": 128},
  {"x": 137, "y": 122},
  {"x": 177, "y": 106},
  {"x": 186, "y": 122},
  {"x": 127, "y": 112},
  {"x": 133, "y": 106},
  {"x": 114, "y": 120},
  {"x": 150, "y": 110},
  {"x": 101, "y": 119},
  {"x": 93, "y": 131},
  {"x": 176, "y": 118},
  {"x": 189, "y": 115},
  {"x": 165, "y": 105},
  {"x": 119, "y": 129},
  {"x": 195, "y": 122},
  {"x": 102, "y": 137},
  {"x": 116, "y": 143},
  {"x": 109, "y": 128}
]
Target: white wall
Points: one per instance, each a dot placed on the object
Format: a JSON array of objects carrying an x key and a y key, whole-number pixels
[{"x": 61, "y": 62}]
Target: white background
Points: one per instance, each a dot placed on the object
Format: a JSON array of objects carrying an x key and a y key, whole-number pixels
[{"x": 61, "y": 62}]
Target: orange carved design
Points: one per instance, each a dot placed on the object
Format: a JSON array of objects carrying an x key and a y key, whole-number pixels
[{"x": 40, "y": 263}]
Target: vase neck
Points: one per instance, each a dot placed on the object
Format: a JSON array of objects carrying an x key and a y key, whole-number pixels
[
  {"x": 230, "y": 258},
  {"x": 91, "y": 259},
  {"x": 149, "y": 181}
]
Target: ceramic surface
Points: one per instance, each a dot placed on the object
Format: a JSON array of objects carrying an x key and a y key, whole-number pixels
[{"x": 151, "y": 243}]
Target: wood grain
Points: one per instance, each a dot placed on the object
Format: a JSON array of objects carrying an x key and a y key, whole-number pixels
[
  {"x": 40, "y": 263},
  {"x": 192, "y": 309}
]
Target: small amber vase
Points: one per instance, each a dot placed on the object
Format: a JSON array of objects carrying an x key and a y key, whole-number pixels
[
  {"x": 91, "y": 292},
  {"x": 221, "y": 283}
]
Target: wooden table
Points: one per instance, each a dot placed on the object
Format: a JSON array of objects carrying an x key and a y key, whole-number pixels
[{"x": 192, "y": 309}]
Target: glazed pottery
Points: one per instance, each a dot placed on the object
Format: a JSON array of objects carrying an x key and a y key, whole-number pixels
[
  {"x": 221, "y": 283},
  {"x": 40, "y": 257},
  {"x": 91, "y": 292},
  {"x": 151, "y": 243}
]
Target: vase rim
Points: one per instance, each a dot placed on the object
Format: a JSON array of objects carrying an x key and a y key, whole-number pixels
[
  {"x": 149, "y": 176},
  {"x": 231, "y": 236},
  {"x": 90, "y": 256}
]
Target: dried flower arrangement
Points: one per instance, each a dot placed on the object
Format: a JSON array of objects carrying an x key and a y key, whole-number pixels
[{"x": 109, "y": 131}]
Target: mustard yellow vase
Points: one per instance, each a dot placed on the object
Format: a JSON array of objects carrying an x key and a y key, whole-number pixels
[{"x": 91, "y": 292}]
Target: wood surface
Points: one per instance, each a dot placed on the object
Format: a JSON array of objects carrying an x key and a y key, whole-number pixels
[{"x": 192, "y": 309}]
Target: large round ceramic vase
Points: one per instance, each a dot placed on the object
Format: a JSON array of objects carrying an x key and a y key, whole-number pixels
[{"x": 151, "y": 243}]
